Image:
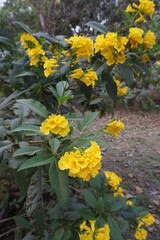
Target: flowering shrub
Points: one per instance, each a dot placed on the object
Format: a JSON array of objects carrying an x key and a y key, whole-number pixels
[{"x": 68, "y": 195}]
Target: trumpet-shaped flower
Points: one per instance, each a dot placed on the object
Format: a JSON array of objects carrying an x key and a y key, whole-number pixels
[
  {"x": 83, "y": 46},
  {"x": 114, "y": 127},
  {"x": 112, "y": 180},
  {"x": 90, "y": 233},
  {"x": 135, "y": 36},
  {"x": 149, "y": 40},
  {"x": 55, "y": 124},
  {"x": 82, "y": 164}
]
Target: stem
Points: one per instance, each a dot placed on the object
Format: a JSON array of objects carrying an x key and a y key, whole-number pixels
[{"x": 12, "y": 230}]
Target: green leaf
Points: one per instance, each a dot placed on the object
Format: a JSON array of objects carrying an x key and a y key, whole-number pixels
[
  {"x": 45, "y": 36},
  {"x": 34, "y": 193},
  {"x": 100, "y": 207},
  {"x": 117, "y": 204},
  {"x": 36, "y": 106},
  {"x": 28, "y": 128},
  {"x": 126, "y": 73},
  {"x": 59, "y": 182},
  {"x": 25, "y": 27},
  {"x": 54, "y": 144},
  {"x": 89, "y": 118},
  {"x": 67, "y": 235},
  {"x": 61, "y": 87},
  {"x": 54, "y": 92},
  {"x": 86, "y": 214},
  {"x": 89, "y": 198},
  {"x": 36, "y": 161},
  {"x": 26, "y": 74},
  {"x": 28, "y": 150},
  {"x": 97, "y": 26},
  {"x": 95, "y": 101},
  {"x": 110, "y": 85},
  {"x": 21, "y": 222},
  {"x": 114, "y": 228},
  {"x": 59, "y": 234},
  {"x": 79, "y": 125}
]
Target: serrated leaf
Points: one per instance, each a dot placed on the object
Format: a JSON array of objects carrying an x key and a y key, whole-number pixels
[
  {"x": 28, "y": 128},
  {"x": 25, "y": 27},
  {"x": 28, "y": 150},
  {"x": 26, "y": 74},
  {"x": 86, "y": 214},
  {"x": 54, "y": 144},
  {"x": 61, "y": 87},
  {"x": 59, "y": 234},
  {"x": 114, "y": 229},
  {"x": 98, "y": 27},
  {"x": 59, "y": 182},
  {"x": 54, "y": 92},
  {"x": 89, "y": 197},
  {"x": 126, "y": 73},
  {"x": 34, "y": 193},
  {"x": 36, "y": 106},
  {"x": 36, "y": 161},
  {"x": 89, "y": 118},
  {"x": 21, "y": 221}
]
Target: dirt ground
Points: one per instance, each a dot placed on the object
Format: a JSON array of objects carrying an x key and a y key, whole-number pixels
[{"x": 136, "y": 158}]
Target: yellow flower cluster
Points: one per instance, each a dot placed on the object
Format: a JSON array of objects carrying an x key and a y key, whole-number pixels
[
  {"x": 88, "y": 78},
  {"x": 149, "y": 40},
  {"x": 114, "y": 127},
  {"x": 147, "y": 220},
  {"x": 34, "y": 49},
  {"x": 112, "y": 180},
  {"x": 82, "y": 164},
  {"x": 90, "y": 233},
  {"x": 135, "y": 36},
  {"x": 146, "y": 7},
  {"x": 129, "y": 202},
  {"x": 83, "y": 46},
  {"x": 141, "y": 234},
  {"x": 158, "y": 63},
  {"x": 55, "y": 124},
  {"x": 120, "y": 90},
  {"x": 119, "y": 192},
  {"x": 112, "y": 47},
  {"x": 50, "y": 66}
]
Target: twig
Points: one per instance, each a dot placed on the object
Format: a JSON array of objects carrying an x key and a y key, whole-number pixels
[
  {"x": 6, "y": 233},
  {"x": 9, "y": 219}
]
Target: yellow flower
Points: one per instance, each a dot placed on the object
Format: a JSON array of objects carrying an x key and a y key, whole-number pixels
[
  {"x": 83, "y": 46},
  {"x": 140, "y": 19},
  {"x": 66, "y": 53},
  {"x": 135, "y": 36},
  {"x": 27, "y": 40},
  {"x": 130, "y": 9},
  {"x": 148, "y": 219},
  {"x": 50, "y": 66},
  {"x": 82, "y": 164},
  {"x": 158, "y": 63},
  {"x": 119, "y": 192},
  {"x": 88, "y": 78},
  {"x": 149, "y": 40},
  {"x": 120, "y": 90},
  {"x": 55, "y": 124},
  {"x": 34, "y": 49},
  {"x": 114, "y": 127},
  {"x": 112, "y": 47},
  {"x": 103, "y": 233},
  {"x": 141, "y": 234},
  {"x": 77, "y": 73},
  {"x": 147, "y": 7},
  {"x": 113, "y": 180},
  {"x": 90, "y": 233},
  {"x": 129, "y": 202}
]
